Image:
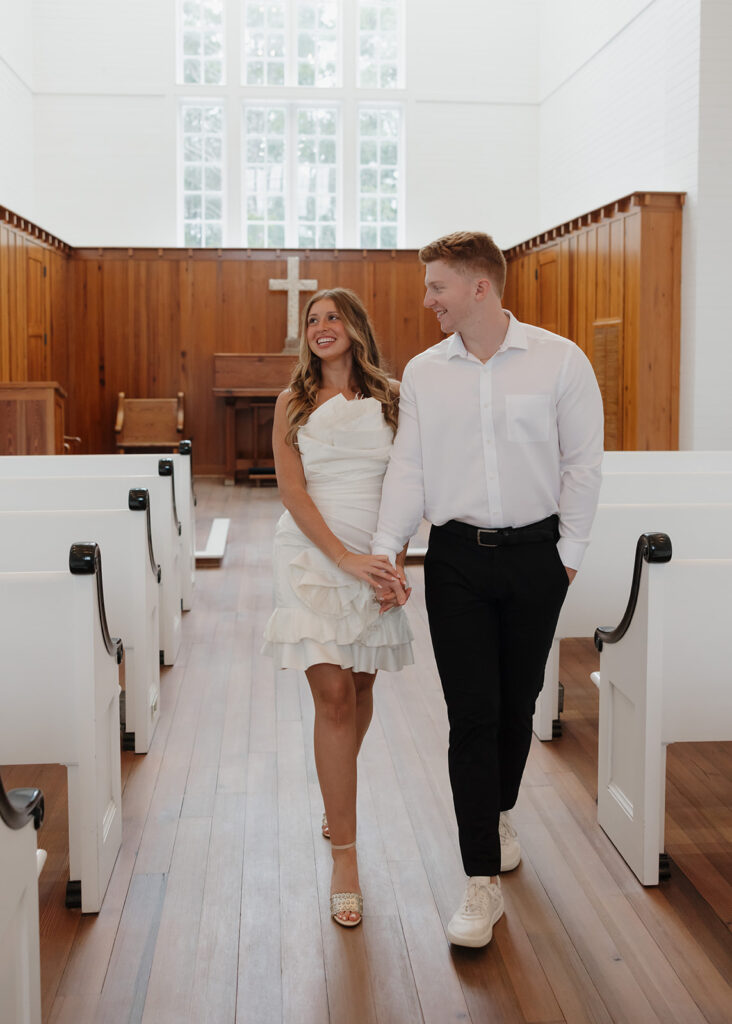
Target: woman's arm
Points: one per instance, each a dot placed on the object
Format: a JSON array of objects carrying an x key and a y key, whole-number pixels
[{"x": 302, "y": 508}]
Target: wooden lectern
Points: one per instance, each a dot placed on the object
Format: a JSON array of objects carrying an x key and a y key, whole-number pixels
[
  {"x": 249, "y": 383},
  {"x": 32, "y": 418}
]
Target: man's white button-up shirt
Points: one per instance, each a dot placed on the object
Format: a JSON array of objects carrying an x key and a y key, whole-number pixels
[{"x": 502, "y": 443}]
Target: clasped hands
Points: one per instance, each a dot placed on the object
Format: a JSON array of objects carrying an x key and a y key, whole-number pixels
[{"x": 389, "y": 582}]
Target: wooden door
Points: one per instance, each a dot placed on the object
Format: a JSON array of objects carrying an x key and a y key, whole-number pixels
[{"x": 37, "y": 327}]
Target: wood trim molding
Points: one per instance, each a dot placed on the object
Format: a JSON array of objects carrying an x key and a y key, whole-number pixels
[
  {"x": 659, "y": 200},
  {"x": 19, "y": 223}
]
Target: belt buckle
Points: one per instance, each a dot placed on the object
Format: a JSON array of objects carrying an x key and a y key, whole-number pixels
[{"x": 485, "y": 544}]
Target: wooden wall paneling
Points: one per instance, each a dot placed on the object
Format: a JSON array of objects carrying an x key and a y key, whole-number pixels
[
  {"x": 87, "y": 381},
  {"x": 602, "y": 270},
  {"x": 579, "y": 304},
  {"x": 547, "y": 266},
  {"x": 510, "y": 291},
  {"x": 631, "y": 316},
  {"x": 658, "y": 358},
  {"x": 18, "y": 307},
  {"x": 615, "y": 271},
  {"x": 566, "y": 287},
  {"x": 5, "y": 300},
  {"x": 607, "y": 346},
  {"x": 591, "y": 310},
  {"x": 36, "y": 279},
  {"x": 58, "y": 317}
]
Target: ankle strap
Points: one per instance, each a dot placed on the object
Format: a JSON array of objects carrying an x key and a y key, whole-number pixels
[{"x": 348, "y": 846}]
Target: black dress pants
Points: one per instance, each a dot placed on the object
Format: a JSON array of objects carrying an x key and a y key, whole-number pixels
[{"x": 492, "y": 614}]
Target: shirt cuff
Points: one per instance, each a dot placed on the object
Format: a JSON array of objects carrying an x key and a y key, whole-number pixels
[
  {"x": 571, "y": 552},
  {"x": 380, "y": 549}
]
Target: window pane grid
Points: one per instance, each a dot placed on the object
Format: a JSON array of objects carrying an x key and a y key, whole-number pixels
[
  {"x": 379, "y": 133},
  {"x": 202, "y": 42},
  {"x": 317, "y": 43},
  {"x": 317, "y": 177},
  {"x": 203, "y": 174},
  {"x": 265, "y": 179},
  {"x": 265, "y": 42},
  {"x": 378, "y": 44}
]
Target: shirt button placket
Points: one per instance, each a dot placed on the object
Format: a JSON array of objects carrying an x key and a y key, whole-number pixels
[{"x": 489, "y": 447}]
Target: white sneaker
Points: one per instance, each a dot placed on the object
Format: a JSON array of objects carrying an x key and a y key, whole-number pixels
[
  {"x": 510, "y": 849},
  {"x": 472, "y": 923}
]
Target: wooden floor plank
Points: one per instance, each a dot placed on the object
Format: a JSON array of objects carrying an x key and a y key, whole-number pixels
[
  {"x": 170, "y": 987},
  {"x": 217, "y": 951},
  {"x": 259, "y": 984}
]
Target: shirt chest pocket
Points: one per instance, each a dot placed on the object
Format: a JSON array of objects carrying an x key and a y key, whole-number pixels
[{"x": 527, "y": 417}]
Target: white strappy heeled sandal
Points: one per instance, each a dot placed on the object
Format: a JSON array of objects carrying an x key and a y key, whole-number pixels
[{"x": 346, "y": 902}]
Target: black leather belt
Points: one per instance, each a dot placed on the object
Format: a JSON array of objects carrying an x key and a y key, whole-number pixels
[{"x": 545, "y": 530}]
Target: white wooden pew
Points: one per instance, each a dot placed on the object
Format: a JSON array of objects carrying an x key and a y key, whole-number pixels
[
  {"x": 640, "y": 488},
  {"x": 21, "y": 813},
  {"x": 41, "y": 540},
  {"x": 97, "y": 492},
  {"x": 667, "y": 679},
  {"x": 176, "y": 467},
  {"x": 600, "y": 589},
  {"x": 59, "y": 691},
  {"x": 633, "y": 478},
  {"x": 667, "y": 461}
]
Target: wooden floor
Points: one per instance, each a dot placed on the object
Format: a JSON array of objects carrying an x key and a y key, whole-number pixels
[{"x": 217, "y": 907}]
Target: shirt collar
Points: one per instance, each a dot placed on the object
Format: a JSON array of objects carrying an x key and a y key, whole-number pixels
[{"x": 515, "y": 338}]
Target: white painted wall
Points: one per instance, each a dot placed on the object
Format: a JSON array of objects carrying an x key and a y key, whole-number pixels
[
  {"x": 472, "y": 138},
  {"x": 622, "y": 115},
  {"x": 105, "y": 161},
  {"x": 707, "y": 368},
  {"x": 16, "y": 108}
]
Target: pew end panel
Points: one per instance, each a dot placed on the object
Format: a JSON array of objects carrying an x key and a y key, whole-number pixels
[
  {"x": 34, "y": 540},
  {"x": 599, "y": 591},
  {"x": 665, "y": 680},
  {"x": 20, "y": 958},
  {"x": 63, "y": 687}
]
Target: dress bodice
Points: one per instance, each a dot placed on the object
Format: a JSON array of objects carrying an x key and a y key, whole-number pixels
[{"x": 345, "y": 444}]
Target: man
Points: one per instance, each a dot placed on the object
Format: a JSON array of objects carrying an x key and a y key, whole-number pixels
[{"x": 499, "y": 446}]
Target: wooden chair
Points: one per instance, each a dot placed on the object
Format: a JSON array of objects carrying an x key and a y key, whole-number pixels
[{"x": 151, "y": 423}]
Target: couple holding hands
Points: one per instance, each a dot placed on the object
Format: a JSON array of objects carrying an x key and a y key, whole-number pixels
[{"x": 495, "y": 437}]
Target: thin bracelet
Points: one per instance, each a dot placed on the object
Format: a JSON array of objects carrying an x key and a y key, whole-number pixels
[{"x": 346, "y": 552}]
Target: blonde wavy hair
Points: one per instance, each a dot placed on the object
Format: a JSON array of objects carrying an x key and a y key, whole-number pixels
[{"x": 370, "y": 376}]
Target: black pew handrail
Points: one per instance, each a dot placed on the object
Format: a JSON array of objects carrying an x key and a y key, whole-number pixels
[
  {"x": 652, "y": 548},
  {"x": 166, "y": 468},
  {"x": 138, "y": 501},
  {"x": 186, "y": 448},
  {"x": 19, "y": 806},
  {"x": 85, "y": 559}
]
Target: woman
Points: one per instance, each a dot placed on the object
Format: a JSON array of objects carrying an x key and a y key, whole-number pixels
[{"x": 332, "y": 436}]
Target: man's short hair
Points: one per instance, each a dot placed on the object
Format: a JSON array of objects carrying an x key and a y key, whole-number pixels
[{"x": 472, "y": 251}]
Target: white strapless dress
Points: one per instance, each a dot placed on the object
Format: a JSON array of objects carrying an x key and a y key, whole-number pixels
[{"x": 322, "y": 614}]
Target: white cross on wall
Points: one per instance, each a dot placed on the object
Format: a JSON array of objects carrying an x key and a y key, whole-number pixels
[{"x": 293, "y": 286}]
